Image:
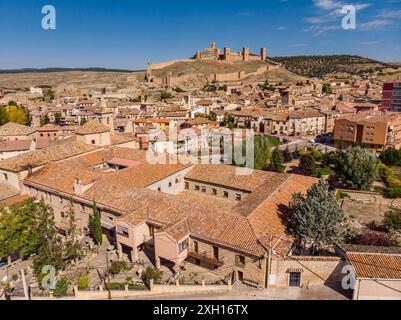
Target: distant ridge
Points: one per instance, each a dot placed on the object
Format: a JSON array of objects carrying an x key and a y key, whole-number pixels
[
  {"x": 48, "y": 70},
  {"x": 321, "y": 65}
]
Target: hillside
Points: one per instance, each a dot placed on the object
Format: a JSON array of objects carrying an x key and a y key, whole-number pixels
[
  {"x": 196, "y": 72},
  {"x": 320, "y": 66}
]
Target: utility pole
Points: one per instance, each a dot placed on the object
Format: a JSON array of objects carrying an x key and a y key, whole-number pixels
[{"x": 26, "y": 294}]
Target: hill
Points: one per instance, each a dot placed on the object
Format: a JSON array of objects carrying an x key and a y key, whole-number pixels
[
  {"x": 195, "y": 73},
  {"x": 320, "y": 66},
  {"x": 51, "y": 70}
]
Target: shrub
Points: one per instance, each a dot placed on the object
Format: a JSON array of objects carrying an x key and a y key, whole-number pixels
[
  {"x": 392, "y": 193},
  {"x": 384, "y": 172},
  {"x": 307, "y": 163},
  {"x": 393, "y": 183},
  {"x": 151, "y": 273},
  {"x": 392, "y": 220},
  {"x": 136, "y": 286},
  {"x": 83, "y": 283},
  {"x": 118, "y": 266},
  {"x": 61, "y": 288},
  {"x": 115, "y": 286}
]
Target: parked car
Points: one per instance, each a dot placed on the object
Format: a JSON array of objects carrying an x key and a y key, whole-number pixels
[{"x": 3, "y": 263}]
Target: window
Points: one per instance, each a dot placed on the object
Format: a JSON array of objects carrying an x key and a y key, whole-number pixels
[
  {"x": 183, "y": 245},
  {"x": 123, "y": 231},
  {"x": 186, "y": 185},
  {"x": 170, "y": 184},
  {"x": 93, "y": 142},
  {"x": 62, "y": 214},
  {"x": 240, "y": 261},
  {"x": 214, "y": 191},
  {"x": 203, "y": 189},
  {"x": 196, "y": 246},
  {"x": 216, "y": 253},
  {"x": 159, "y": 188},
  {"x": 196, "y": 188},
  {"x": 225, "y": 194},
  {"x": 295, "y": 279},
  {"x": 5, "y": 176},
  {"x": 238, "y": 197},
  {"x": 177, "y": 180}
]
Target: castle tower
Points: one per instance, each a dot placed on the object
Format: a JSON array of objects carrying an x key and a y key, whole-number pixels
[
  {"x": 227, "y": 53},
  {"x": 217, "y": 53},
  {"x": 149, "y": 76},
  {"x": 198, "y": 55},
  {"x": 245, "y": 54},
  {"x": 212, "y": 45},
  {"x": 263, "y": 54}
]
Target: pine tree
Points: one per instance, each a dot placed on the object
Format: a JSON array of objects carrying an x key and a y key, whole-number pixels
[
  {"x": 317, "y": 220},
  {"x": 276, "y": 162},
  {"x": 72, "y": 247},
  {"x": 95, "y": 225}
]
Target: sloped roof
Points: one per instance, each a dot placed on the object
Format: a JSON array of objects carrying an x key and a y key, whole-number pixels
[
  {"x": 15, "y": 129},
  {"x": 92, "y": 127}
]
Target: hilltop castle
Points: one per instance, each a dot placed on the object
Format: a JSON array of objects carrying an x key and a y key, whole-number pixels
[
  {"x": 213, "y": 53},
  {"x": 210, "y": 54}
]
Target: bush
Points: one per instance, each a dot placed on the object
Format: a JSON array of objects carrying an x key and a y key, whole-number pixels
[
  {"x": 391, "y": 157},
  {"x": 392, "y": 193},
  {"x": 115, "y": 286},
  {"x": 393, "y": 183},
  {"x": 61, "y": 288},
  {"x": 83, "y": 283},
  {"x": 392, "y": 220},
  {"x": 307, "y": 163},
  {"x": 151, "y": 273},
  {"x": 384, "y": 172},
  {"x": 118, "y": 266},
  {"x": 136, "y": 286}
]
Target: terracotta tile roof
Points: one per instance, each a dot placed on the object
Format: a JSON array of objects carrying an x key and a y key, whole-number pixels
[
  {"x": 375, "y": 266},
  {"x": 7, "y": 191},
  {"x": 91, "y": 127},
  {"x": 49, "y": 127},
  {"x": 41, "y": 157},
  {"x": 17, "y": 145},
  {"x": 15, "y": 129},
  {"x": 225, "y": 175}
]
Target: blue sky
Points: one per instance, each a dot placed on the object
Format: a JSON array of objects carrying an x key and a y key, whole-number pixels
[{"x": 129, "y": 33}]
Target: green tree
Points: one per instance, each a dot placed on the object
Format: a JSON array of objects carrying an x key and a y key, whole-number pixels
[
  {"x": 72, "y": 247},
  {"x": 82, "y": 122},
  {"x": 276, "y": 162},
  {"x": 57, "y": 117},
  {"x": 317, "y": 220},
  {"x": 17, "y": 229},
  {"x": 44, "y": 120},
  {"x": 307, "y": 164},
  {"x": 392, "y": 220},
  {"x": 50, "y": 246},
  {"x": 391, "y": 157},
  {"x": 61, "y": 288},
  {"x": 287, "y": 155},
  {"x": 95, "y": 225},
  {"x": 355, "y": 168},
  {"x": 229, "y": 121}
]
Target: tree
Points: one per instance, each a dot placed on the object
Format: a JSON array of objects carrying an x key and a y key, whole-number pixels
[
  {"x": 57, "y": 117},
  {"x": 287, "y": 155},
  {"x": 95, "y": 224},
  {"x": 391, "y": 157},
  {"x": 17, "y": 115},
  {"x": 72, "y": 247},
  {"x": 276, "y": 162},
  {"x": 44, "y": 120},
  {"x": 355, "y": 168},
  {"x": 308, "y": 164},
  {"x": 317, "y": 219},
  {"x": 82, "y": 122},
  {"x": 229, "y": 121},
  {"x": 61, "y": 288},
  {"x": 4, "y": 116},
  {"x": 17, "y": 229},
  {"x": 50, "y": 246},
  {"x": 392, "y": 220}
]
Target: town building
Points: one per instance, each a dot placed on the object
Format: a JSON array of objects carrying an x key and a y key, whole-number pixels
[{"x": 378, "y": 130}]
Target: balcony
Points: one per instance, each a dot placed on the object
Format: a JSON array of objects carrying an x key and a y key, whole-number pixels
[{"x": 204, "y": 257}]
